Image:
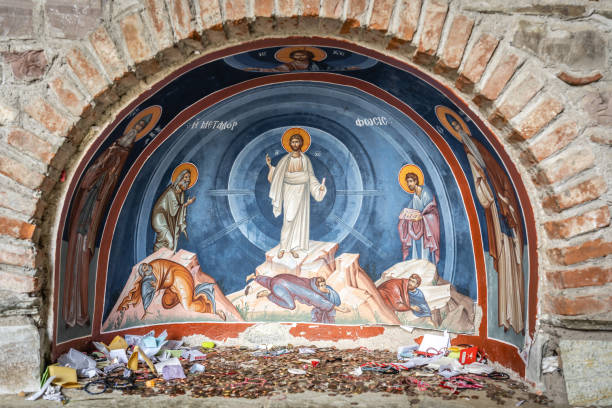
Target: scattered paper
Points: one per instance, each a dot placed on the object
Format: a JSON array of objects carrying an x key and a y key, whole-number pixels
[
  {"x": 409, "y": 329},
  {"x": 306, "y": 350},
  {"x": 42, "y": 390},
  {"x": 296, "y": 371},
  {"x": 64, "y": 376},
  {"x": 434, "y": 344},
  {"x": 406, "y": 352},
  {"x": 170, "y": 372},
  {"x": 133, "y": 361},
  {"x": 118, "y": 343},
  {"x": 193, "y": 355},
  {"x": 172, "y": 361},
  {"x": 197, "y": 368},
  {"x": 119, "y": 355},
  {"x": 145, "y": 358}
]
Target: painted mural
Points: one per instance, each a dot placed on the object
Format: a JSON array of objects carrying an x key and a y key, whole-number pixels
[{"x": 294, "y": 183}]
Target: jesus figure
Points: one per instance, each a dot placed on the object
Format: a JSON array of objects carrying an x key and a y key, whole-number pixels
[{"x": 292, "y": 180}]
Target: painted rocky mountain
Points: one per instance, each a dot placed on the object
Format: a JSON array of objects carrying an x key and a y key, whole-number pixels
[
  {"x": 357, "y": 291},
  {"x": 156, "y": 313}
]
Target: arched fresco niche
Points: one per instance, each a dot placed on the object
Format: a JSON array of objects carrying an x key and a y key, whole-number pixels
[{"x": 297, "y": 181}]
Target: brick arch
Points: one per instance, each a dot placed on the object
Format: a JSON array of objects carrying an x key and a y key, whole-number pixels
[{"x": 512, "y": 92}]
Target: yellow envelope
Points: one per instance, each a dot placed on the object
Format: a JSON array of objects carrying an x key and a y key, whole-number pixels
[
  {"x": 146, "y": 359},
  {"x": 64, "y": 376},
  {"x": 118, "y": 343},
  {"x": 132, "y": 363}
]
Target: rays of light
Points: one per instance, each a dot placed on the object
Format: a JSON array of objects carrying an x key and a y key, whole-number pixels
[{"x": 226, "y": 231}]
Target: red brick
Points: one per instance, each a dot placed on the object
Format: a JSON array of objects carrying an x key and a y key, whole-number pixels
[
  {"x": 571, "y": 255},
  {"x": 18, "y": 283},
  {"x": 161, "y": 27},
  {"x": 50, "y": 118},
  {"x": 553, "y": 141},
  {"x": 310, "y": 8},
  {"x": 106, "y": 51},
  {"x": 540, "y": 116},
  {"x": 381, "y": 14},
  {"x": 357, "y": 10},
  {"x": 16, "y": 228},
  {"x": 69, "y": 95},
  {"x": 580, "y": 305},
  {"x": 433, "y": 22},
  {"x": 86, "y": 71},
  {"x": 210, "y": 13},
  {"x": 23, "y": 204},
  {"x": 409, "y": 13},
  {"x": 30, "y": 144},
  {"x": 285, "y": 8},
  {"x": 264, "y": 8},
  {"x": 580, "y": 193},
  {"x": 516, "y": 99},
  {"x": 332, "y": 8},
  {"x": 20, "y": 173},
  {"x": 135, "y": 40},
  {"x": 459, "y": 34},
  {"x": 235, "y": 10},
  {"x": 499, "y": 77},
  {"x": 180, "y": 15},
  {"x": 477, "y": 61},
  {"x": 580, "y": 224},
  {"x": 579, "y": 278},
  {"x": 565, "y": 165},
  {"x": 17, "y": 255}
]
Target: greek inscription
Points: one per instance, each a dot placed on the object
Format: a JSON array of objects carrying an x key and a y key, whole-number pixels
[
  {"x": 375, "y": 121},
  {"x": 214, "y": 124}
]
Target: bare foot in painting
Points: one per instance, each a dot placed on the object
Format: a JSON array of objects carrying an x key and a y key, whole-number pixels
[
  {"x": 295, "y": 254},
  {"x": 281, "y": 253},
  {"x": 263, "y": 293},
  {"x": 221, "y": 314}
]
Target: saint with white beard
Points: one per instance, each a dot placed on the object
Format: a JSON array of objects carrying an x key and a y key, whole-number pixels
[{"x": 292, "y": 180}]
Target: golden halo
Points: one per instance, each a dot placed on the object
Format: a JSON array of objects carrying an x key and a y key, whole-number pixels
[
  {"x": 155, "y": 112},
  {"x": 410, "y": 168},
  {"x": 284, "y": 54},
  {"x": 193, "y": 170},
  {"x": 290, "y": 132},
  {"x": 442, "y": 111}
]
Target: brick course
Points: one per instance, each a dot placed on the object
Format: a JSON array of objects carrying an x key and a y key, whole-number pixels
[
  {"x": 433, "y": 22},
  {"x": 459, "y": 34}
]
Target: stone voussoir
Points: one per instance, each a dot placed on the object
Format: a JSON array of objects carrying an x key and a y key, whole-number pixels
[
  {"x": 587, "y": 222},
  {"x": 431, "y": 30},
  {"x": 582, "y": 192}
]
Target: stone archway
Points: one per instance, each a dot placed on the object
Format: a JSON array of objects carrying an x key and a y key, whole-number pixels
[{"x": 555, "y": 146}]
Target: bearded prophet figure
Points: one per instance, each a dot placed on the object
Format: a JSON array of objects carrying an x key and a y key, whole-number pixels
[
  {"x": 495, "y": 193},
  {"x": 91, "y": 200},
  {"x": 419, "y": 221},
  {"x": 177, "y": 285},
  {"x": 292, "y": 180},
  {"x": 285, "y": 289},
  {"x": 169, "y": 215},
  {"x": 403, "y": 295}
]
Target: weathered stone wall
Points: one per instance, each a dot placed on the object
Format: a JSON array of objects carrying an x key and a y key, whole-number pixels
[{"x": 537, "y": 71}]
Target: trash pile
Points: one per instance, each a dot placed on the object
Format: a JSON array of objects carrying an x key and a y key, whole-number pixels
[{"x": 153, "y": 365}]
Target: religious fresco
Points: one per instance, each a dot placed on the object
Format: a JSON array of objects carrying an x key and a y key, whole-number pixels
[{"x": 294, "y": 183}]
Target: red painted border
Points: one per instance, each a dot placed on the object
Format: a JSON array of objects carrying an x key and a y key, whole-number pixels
[{"x": 523, "y": 196}]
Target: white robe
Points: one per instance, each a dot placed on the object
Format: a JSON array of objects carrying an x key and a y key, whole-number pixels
[{"x": 290, "y": 191}]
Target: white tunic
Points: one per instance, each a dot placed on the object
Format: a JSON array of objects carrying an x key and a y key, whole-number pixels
[{"x": 291, "y": 183}]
